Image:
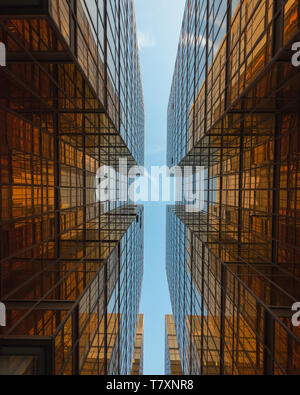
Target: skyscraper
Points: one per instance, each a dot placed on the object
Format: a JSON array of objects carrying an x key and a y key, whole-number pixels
[
  {"x": 172, "y": 356},
  {"x": 233, "y": 267},
  {"x": 138, "y": 358},
  {"x": 71, "y": 266}
]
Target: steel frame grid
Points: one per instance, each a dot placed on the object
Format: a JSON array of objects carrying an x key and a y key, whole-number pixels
[
  {"x": 112, "y": 221},
  {"x": 205, "y": 153}
]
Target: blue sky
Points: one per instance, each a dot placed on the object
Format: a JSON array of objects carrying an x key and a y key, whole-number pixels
[{"x": 158, "y": 26}]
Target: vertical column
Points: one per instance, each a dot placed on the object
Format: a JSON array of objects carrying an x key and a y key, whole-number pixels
[
  {"x": 56, "y": 182},
  {"x": 269, "y": 334},
  {"x": 277, "y": 25},
  {"x": 223, "y": 314},
  {"x": 105, "y": 318},
  {"x": 84, "y": 178},
  {"x": 73, "y": 27},
  {"x": 202, "y": 305},
  {"x": 105, "y": 55},
  {"x": 75, "y": 340},
  {"x": 224, "y": 125},
  {"x": 191, "y": 301}
]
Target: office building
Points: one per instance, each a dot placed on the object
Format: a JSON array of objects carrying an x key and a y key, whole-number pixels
[
  {"x": 138, "y": 358},
  {"x": 172, "y": 356},
  {"x": 71, "y": 266},
  {"x": 234, "y": 267}
]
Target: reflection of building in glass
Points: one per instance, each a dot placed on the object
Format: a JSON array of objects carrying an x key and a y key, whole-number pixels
[
  {"x": 138, "y": 357},
  {"x": 70, "y": 267},
  {"x": 233, "y": 269},
  {"x": 172, "y": 356}
]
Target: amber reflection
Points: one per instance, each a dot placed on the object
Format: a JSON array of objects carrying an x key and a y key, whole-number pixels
[
  {"x": 238, "y": 260},
  {"x": 70, "y": 267}
]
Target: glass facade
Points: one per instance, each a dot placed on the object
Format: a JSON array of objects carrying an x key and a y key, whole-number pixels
[
  {"x": 138, "y": 359},
  {"x": 172, "y": 356},
  {"x": 233, "y": 268},
  {"x": 71, "y": 267}
]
